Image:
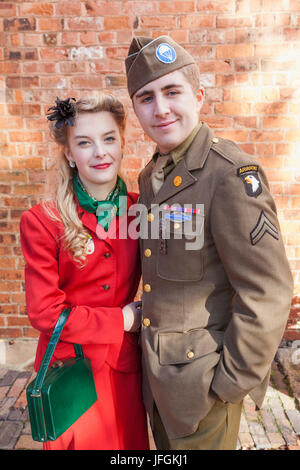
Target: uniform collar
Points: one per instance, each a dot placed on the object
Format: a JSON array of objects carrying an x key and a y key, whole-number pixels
[
  {"x": 194, "y": 159},
  {"x": 178, "y": 152}
]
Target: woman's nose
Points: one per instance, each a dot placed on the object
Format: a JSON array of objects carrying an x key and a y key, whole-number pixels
[{"x": 99, "y": 150}]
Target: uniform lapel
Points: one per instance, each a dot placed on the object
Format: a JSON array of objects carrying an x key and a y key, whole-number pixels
[{"x": 170, "y": 188}]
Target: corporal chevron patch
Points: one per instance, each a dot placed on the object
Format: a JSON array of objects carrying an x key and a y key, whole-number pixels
[{"x": 263, "y": 226}]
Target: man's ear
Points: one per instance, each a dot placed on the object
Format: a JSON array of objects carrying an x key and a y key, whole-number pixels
[{"x": 200, "y": 97}]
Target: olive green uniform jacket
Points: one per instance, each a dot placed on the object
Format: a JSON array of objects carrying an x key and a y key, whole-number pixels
[{"x": 213, "y": 315}]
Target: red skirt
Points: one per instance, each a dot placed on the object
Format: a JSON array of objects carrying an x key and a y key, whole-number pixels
[{"x": 117, "y": 421}]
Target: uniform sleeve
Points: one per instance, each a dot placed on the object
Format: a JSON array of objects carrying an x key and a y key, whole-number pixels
[
  {"x": 44, "y": 298},
  {"x": 249, "y": 243}
]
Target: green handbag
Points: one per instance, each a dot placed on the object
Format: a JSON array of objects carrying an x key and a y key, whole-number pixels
[{"x": 60, "y": 394}]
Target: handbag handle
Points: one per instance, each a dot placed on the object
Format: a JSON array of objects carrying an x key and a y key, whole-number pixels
[{"x": 50, "y": 350}]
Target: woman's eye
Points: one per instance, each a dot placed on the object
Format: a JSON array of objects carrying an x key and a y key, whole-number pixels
[
  {"x": 83, "y": 143},
  {"x": 110, "y": 139}
]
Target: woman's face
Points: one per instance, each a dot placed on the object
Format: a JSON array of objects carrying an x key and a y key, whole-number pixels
[{"x": 95, "y": 145}]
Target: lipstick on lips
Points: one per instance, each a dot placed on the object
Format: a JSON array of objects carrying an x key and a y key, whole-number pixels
[{"x": 102, "y": 166}]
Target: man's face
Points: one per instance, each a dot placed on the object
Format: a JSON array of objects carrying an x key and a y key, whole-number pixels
[{"x": 168, "y": 109}]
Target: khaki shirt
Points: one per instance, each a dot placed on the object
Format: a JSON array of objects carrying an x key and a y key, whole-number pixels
[{"x": 213, "y": 313}]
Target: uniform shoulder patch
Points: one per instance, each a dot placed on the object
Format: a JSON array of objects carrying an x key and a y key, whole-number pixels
[
  {"x": 263, "y": 226},
  {"x": 252, "y": 183}
]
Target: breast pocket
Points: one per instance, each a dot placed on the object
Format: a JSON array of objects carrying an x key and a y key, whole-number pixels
[{"x": 180, "y": 253}]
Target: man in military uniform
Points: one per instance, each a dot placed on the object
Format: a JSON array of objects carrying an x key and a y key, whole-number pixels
[{"x": 217, "y": 286}]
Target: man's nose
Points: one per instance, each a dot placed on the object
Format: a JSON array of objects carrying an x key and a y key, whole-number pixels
[{"x": 161, "y": 106}]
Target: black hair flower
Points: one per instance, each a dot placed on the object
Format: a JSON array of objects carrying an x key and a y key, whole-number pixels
[{"x": 63, "y": 112}]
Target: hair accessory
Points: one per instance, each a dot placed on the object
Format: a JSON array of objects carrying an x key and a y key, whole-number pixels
[{"x": 63, "y": 112}]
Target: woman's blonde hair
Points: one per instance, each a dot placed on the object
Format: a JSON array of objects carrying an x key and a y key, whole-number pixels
[{"x": 75, "y": 237}]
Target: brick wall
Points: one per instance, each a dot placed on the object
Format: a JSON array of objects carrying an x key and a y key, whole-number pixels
[{"x": 248, "y": 52}]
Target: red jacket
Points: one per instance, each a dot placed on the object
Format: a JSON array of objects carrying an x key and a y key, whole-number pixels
[{"x": 96, "y": 293}]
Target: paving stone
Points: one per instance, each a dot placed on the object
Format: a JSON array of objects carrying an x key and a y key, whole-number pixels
[
  {"x": 5, "y": 407},
  {"x": 259, "y": 436},
  {"x": 15, "y": 414},
  {"x": 17, "y": 387},
  {"x": 294, "y": 418},
  {"x": 285, "y": 427},
  {"x": 9, "y": 378},
  {"x": 9, "y": 433},
  {"x": 276, "y": 440},
  {"x": 246, "y": 440},
  {"x": 26, "y": 442},
  {"x": 288, "y": 402},
  {"x": 3, "y": 392},
  {"x": 268, "y": 421}
]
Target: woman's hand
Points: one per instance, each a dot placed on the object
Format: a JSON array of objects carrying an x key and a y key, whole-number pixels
[{"x": 132, "y": 316}]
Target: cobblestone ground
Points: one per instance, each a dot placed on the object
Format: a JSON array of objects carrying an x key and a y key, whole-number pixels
[{"x": 275, "y": 427}]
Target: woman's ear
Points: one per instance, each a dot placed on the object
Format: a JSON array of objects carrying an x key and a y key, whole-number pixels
[{"x": 69, "y": 157}]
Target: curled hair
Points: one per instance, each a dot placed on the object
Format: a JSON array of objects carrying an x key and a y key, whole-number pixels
[{"x": 75, "y": 236}]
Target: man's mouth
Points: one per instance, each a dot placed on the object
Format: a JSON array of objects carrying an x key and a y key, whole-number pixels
[{"x": 165, "y": 124}]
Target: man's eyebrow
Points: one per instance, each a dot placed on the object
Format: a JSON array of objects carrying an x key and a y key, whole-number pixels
[{"x": 149, "y": 91}]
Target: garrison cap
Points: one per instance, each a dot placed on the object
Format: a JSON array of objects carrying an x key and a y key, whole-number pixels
[{"x": 149, "y": 59}]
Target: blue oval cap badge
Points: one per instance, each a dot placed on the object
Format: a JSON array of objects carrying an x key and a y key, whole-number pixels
[{"x": 166, "y": 53}]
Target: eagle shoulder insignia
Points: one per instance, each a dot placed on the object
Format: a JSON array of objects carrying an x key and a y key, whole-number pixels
[{"x": 252, "y": 183}]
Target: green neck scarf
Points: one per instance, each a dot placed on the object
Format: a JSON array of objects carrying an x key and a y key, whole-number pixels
[{"x": 106, "y": 210}]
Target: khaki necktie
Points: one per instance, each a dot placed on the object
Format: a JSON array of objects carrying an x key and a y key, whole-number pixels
[{"x": 157, "y": 176}]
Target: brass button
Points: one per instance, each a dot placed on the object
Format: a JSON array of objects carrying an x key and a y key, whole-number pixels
[
  {"x": 177, "y": 181},
  {"x": 146, "y": 322},
  {"x": 215, "y": 140},
  {"x": 147, "y": 252},
  {"x": 147, "y": 288},
  {"x": 150, "y": 217},
  {"x": 107, "y": 255},
  {"x": 190, "y": 355},
  {"x": 106, "y": 287}
]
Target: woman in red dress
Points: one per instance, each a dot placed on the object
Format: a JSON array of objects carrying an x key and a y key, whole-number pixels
[{"x": 76, "y": 259}]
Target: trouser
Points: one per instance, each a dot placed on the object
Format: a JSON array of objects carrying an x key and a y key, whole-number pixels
[{"x": 217, "y": 431}]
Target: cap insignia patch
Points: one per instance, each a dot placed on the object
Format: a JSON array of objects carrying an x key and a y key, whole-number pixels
[{"x": 166, "y": 53}]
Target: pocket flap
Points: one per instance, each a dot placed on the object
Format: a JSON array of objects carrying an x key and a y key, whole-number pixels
[{"x": 184, "y": 347}]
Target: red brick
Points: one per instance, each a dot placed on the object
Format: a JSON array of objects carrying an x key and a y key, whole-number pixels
[
  {"x": 196, "y": 21},
  {"x": 73, "y": 8},
  {"x": 176, "y": 7},
  {"x": 19, "y": 24},
  {"x": 36, "y": 9}
]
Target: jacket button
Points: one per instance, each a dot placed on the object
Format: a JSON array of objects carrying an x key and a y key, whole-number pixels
[
  {"x": 177, "y": 181},
  {"x": 215, "y": 140},
  {"x": 106, "y": 287},
  {"x": 146, "y": 322},
  {"x": 150, "y": 217},
  {"x": 147, "y": 288},
  {"x": 107, "y": 255},
  {"x": 190, "y": 355},
  {"x": 147, "y": 252}
]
